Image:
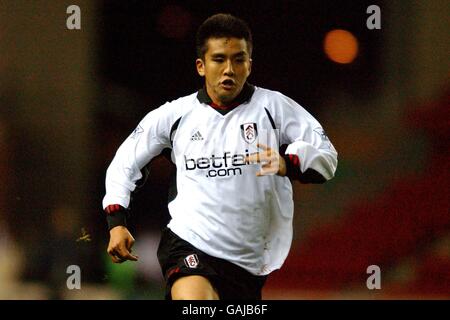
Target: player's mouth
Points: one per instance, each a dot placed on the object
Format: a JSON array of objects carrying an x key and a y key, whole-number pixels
[{"x": 228, "y": 84}]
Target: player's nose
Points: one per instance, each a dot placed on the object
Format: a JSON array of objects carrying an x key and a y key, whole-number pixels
[{"x": 229, "y": 70}]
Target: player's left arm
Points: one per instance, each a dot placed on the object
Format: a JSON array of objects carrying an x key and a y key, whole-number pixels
[{"x": 310, "y": 156}]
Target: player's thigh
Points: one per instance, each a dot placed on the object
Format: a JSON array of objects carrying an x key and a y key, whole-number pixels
[{"x": 193, "y": 287}]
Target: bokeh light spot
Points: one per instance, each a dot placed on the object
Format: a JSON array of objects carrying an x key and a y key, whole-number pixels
[{"x": 341, "y": 46}]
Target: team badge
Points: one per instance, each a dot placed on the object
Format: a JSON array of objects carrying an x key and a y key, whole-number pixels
[
  {"x": 191, "y": 261},
  {"x": 249, "y": 132}
]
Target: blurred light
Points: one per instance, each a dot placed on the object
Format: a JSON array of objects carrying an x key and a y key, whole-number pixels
[
  {"x": 341, "y": 46},
  {"x": 174, "y": 22}
]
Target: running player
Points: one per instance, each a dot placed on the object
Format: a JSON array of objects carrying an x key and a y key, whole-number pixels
[{"x": 236, "y": 148}]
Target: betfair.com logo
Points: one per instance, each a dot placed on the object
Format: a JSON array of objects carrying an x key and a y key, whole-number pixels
[{"x": 218, "y": 166}]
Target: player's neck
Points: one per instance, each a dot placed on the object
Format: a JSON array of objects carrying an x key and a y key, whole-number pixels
[
  {"x": 243, "y": 96},
  {"x": 220, "y": 104}
]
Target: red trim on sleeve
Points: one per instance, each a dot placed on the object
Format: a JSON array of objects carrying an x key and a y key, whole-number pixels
[
  {"x": 293, "y": 158},
  {"x": 113, "y": 208}
]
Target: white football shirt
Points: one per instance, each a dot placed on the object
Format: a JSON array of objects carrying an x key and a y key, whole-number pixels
[{"x": 221, "y": 206}]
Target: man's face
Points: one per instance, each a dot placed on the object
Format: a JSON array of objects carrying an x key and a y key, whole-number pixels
[{"x": 226, "y": 67}]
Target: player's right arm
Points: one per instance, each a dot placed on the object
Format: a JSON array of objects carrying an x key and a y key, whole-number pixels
[
  {"x": 120, "y": 243},
  {"x": 147, "y": 141}
]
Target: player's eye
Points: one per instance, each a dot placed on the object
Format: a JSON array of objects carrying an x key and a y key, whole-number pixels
[{"x": 220, "y": 60}]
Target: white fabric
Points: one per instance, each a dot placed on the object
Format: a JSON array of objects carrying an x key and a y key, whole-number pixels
[{"x": 222, "y": 207}]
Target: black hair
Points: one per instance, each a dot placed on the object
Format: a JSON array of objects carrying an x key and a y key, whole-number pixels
[{"x": 222, "y": 25}]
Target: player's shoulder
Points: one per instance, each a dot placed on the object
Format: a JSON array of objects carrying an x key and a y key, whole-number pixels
[
  {"x": 264, "y": 93},
  {"x": 176, "y": 107},
  {"x": 181, "y": 104},
  {"x": 273, "y": 98},
  {"x": 168, "y": 113}
]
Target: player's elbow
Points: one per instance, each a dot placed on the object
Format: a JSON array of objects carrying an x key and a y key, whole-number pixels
[
  {"x": 312, "y": 176},
  {"x": 325, "y": 170}
]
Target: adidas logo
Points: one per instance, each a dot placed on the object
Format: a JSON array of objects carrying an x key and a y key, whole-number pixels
[{"x": 197, "y": 136}]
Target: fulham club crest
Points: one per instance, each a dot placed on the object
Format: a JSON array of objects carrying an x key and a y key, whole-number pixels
[
  {"x": 249, "y": 132},
  {"x": 191, "y": 261}
]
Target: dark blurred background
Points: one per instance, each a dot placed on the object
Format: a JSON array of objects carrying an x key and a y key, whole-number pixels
[{"x": 68, "y": 98}]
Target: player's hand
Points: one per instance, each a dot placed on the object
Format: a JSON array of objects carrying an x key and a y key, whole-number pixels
[
  {"x": 120, "y": 243},
  {"x": 271, "y": 161}
]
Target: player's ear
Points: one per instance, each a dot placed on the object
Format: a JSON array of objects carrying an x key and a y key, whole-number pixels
[
  {"x": 200, "y": 67},
  {"x": 250, "y": 66}
]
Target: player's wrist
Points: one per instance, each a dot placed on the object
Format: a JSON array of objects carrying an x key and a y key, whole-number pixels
[
  {"x": 116, "y": 216},
  {"x": 118, "y": 228},
  {"x": 292, "y": 166}
]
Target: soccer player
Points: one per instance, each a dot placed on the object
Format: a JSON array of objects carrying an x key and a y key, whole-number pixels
[{"x": 236, "y": 148}]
